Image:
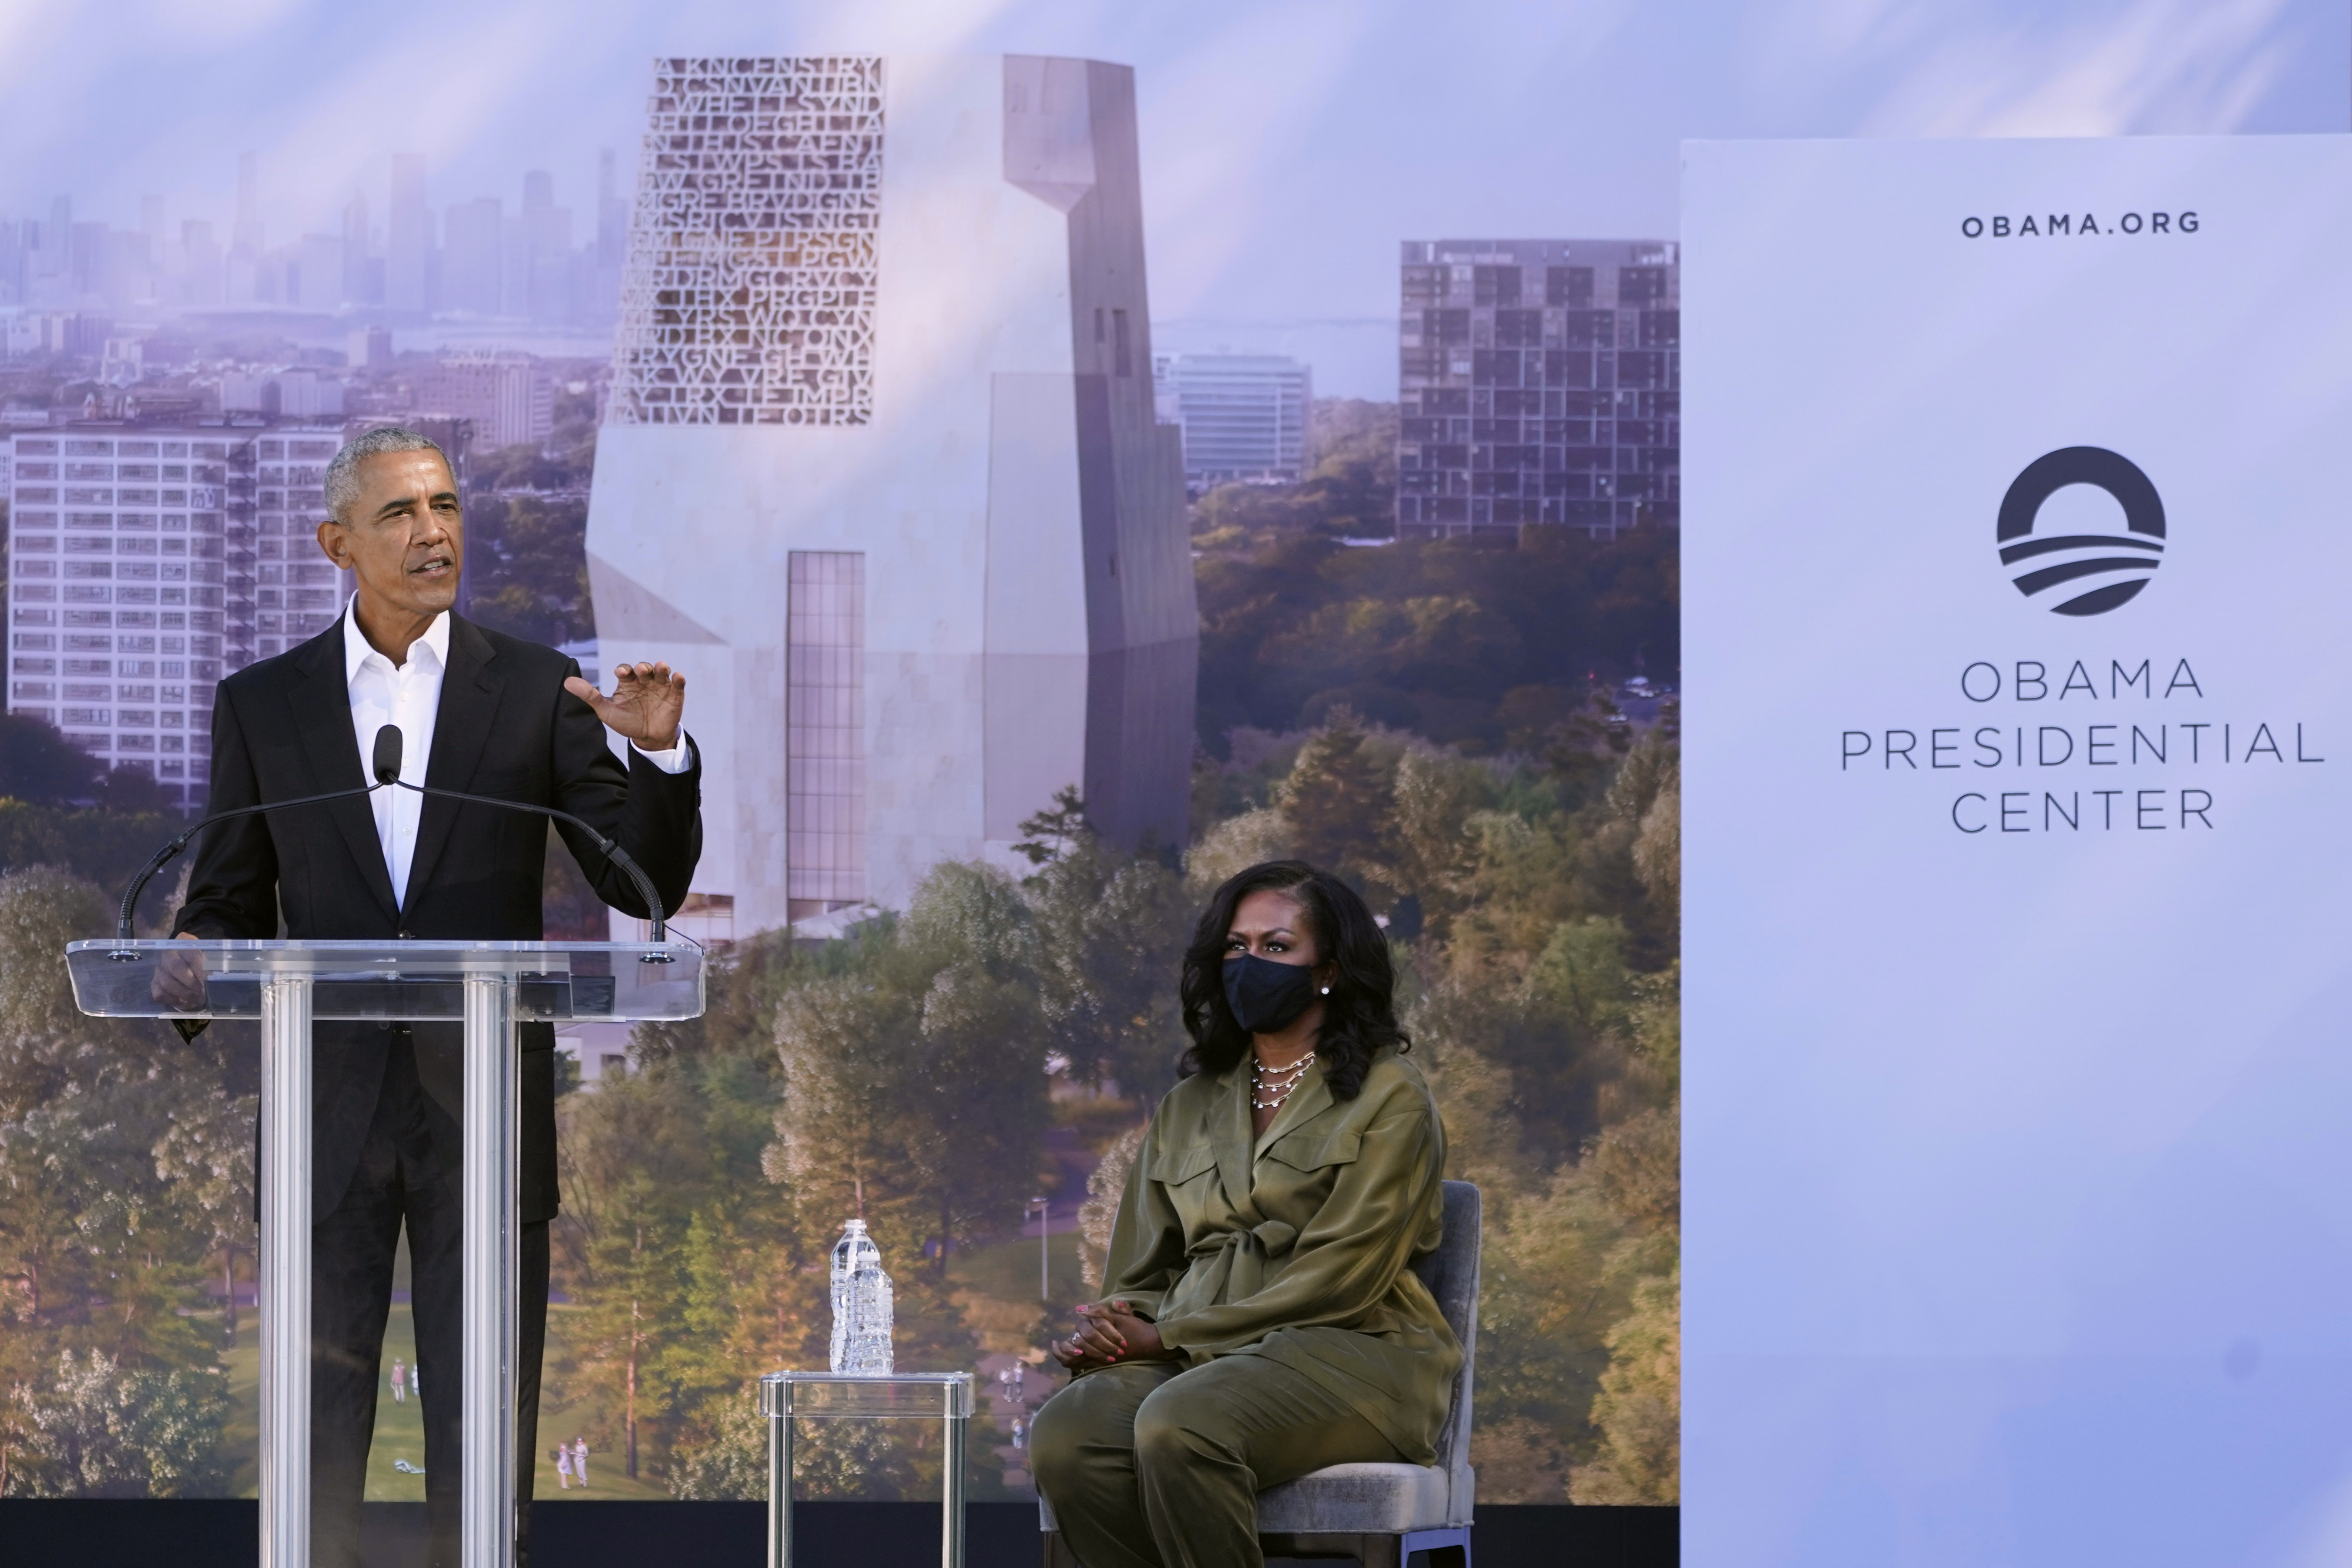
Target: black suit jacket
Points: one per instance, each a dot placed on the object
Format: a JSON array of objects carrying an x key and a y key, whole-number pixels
[{"x": 505, "y": 726}]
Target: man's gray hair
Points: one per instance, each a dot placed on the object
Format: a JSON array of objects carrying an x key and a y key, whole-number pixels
[{"x": 343, "y": 472}]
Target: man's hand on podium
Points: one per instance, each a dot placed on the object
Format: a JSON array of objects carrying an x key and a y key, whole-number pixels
[
  {"x": 179, "y": 979},
  {"x": 647, "y": 704}
]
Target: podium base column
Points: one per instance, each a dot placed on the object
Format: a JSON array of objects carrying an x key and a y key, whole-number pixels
[
  {"x": 492, "y": 1256},
  {"x": 284, "y": 1271}
]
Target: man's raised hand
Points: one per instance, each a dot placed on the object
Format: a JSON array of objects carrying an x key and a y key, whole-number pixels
[{"x": 647, "y": 704}]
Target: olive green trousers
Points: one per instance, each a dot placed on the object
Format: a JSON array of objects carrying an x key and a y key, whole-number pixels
[{"x": 1148, "y": 1465}]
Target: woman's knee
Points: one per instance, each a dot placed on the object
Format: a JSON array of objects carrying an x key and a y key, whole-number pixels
[
  {"x": 1173, "y": 1424},
  {"x": 1055, "y": 1437}
]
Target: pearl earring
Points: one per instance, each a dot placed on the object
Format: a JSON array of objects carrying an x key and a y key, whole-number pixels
[{"x": 1326, "y": 991}]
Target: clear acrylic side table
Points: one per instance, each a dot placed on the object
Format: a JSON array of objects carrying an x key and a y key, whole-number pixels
[{"x": 943, "y": 1396}]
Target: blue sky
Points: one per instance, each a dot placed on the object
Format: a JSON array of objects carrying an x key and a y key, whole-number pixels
[{"x": 1287, "y": 145}]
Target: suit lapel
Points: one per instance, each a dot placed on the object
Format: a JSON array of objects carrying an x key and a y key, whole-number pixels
[
  {"x": 461, "y": 727},
  {"x": 320, "y": 698}
]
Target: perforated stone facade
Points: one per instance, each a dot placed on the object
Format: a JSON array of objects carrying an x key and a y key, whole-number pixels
[{"x": 749, "y": 294}]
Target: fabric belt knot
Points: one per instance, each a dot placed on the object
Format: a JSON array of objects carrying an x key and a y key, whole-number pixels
[{"x": 1229, "y": 1265}]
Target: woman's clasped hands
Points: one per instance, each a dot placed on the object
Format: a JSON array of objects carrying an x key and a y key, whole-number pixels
[{"x": 1108, "y": 1335}]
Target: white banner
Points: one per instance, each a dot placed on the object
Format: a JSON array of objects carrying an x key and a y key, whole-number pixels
[{"x": 2018, "y": 498}]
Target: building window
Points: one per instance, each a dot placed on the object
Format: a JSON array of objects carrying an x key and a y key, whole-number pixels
[{"x": 825, "y": 735}]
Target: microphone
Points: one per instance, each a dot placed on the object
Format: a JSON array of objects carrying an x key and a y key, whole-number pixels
[{"x": 387, "y": 772}]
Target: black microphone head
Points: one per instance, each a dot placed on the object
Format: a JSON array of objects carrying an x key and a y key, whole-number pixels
[{"x": 387, "y": 755}]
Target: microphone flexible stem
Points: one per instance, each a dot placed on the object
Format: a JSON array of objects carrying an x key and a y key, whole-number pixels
[
  {"x": 610, "y": 850},
  {"x": 163, "y": 856}
]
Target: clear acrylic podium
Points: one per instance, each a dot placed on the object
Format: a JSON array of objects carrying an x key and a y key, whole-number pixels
[{"x": 491, "y": 986}]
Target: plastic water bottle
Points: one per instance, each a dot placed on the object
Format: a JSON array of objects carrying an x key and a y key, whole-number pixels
[{"x": 861, "y": 1304}]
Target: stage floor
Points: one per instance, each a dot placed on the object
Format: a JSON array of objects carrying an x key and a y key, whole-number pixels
[{"x": 223, "y": 1534}]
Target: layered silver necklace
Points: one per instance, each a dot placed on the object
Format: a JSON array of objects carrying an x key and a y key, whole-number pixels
[{"x": 1276, "y": 1084}]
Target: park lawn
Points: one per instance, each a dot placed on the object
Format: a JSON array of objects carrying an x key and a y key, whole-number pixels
[
  {"x": 400, "y": 1428},
  {"x": 1006, "y": 1272},
  {"x": 570, "y": 1405},
  {"x": 997, "y": 1284},
  {"x": 241, "y": 1437}
]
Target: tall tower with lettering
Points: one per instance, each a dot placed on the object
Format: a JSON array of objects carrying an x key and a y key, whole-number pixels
[{"x": 881, "y": 471}]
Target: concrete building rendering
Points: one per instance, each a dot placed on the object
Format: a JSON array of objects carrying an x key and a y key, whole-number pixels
[
  {"x": 881, "y": 471},
  {"x": 1541, "y": 384}
]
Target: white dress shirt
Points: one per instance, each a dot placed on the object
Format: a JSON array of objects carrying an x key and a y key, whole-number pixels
[{"x": 409, "y": 696}]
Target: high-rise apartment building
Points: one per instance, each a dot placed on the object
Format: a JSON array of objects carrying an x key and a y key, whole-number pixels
[
  {"x": 146, "y": 562},
  {"x": 881, "y": 471},
  {"x": 1541, "y": 384},
  {"x": 507, "y": 394},
  {"x": 1244, "y": 415},
  {"x": 275, "y": 497}
]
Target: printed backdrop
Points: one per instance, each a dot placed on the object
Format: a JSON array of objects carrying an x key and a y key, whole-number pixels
[{"x": 2018, "y": 1183}]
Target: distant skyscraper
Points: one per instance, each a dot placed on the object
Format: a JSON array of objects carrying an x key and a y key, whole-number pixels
[
  {"x": 612, "y": 212},
  {"x": 473, "y": 243},
  {"x": 602, "y": 296},
  {"x": 52, "y": 265},
  {"x": 355, "y": 251},
  {"x": 407, "y": 263},
  {"x": 1541, "y": 384},
  {"x": 880, "y": 469},
  {"x": 547, "y": 241},
  {"x": 200, "y": 263},
  {"x": 1244, "y": 415},
  {"x": 246, "y": 239},
  {"x": 514, "y": 267},
  {"x": 321, "y": 267}
]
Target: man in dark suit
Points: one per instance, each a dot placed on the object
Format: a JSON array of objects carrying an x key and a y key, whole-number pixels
[{"x": 490, "y": 715}]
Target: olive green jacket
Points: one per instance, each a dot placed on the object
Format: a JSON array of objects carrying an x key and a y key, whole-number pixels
[{"x": 1294, "y": 1246}]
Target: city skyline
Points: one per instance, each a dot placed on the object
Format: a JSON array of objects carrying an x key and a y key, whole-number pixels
[
  {"x": 396, "y": 250},
  {"x": 1286, "y": 148}
]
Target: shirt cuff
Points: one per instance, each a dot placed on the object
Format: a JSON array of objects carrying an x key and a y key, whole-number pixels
[{"x": 673, "y": 761}]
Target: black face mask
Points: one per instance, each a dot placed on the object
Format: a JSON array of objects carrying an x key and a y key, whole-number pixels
[{"x": 1265, "y": 996}]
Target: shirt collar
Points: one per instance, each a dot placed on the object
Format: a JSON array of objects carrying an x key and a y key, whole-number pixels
[{"x": 357, "y": 650}]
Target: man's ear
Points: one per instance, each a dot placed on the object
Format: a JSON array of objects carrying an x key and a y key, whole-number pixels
[{"x": 332, "y": 541}]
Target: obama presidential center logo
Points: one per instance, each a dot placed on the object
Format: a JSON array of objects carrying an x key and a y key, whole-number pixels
[{"x": 2080, "y": 573}]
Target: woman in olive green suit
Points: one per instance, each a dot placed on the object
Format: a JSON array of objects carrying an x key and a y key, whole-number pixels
[{"x": 1259, "y": 1318}]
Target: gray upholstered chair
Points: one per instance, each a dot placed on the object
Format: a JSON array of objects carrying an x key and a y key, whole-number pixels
[{"x": 1384, "y": 1516}]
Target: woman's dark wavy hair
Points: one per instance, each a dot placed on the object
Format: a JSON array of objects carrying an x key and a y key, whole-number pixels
[{"x": 1359, "y": 1016}]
